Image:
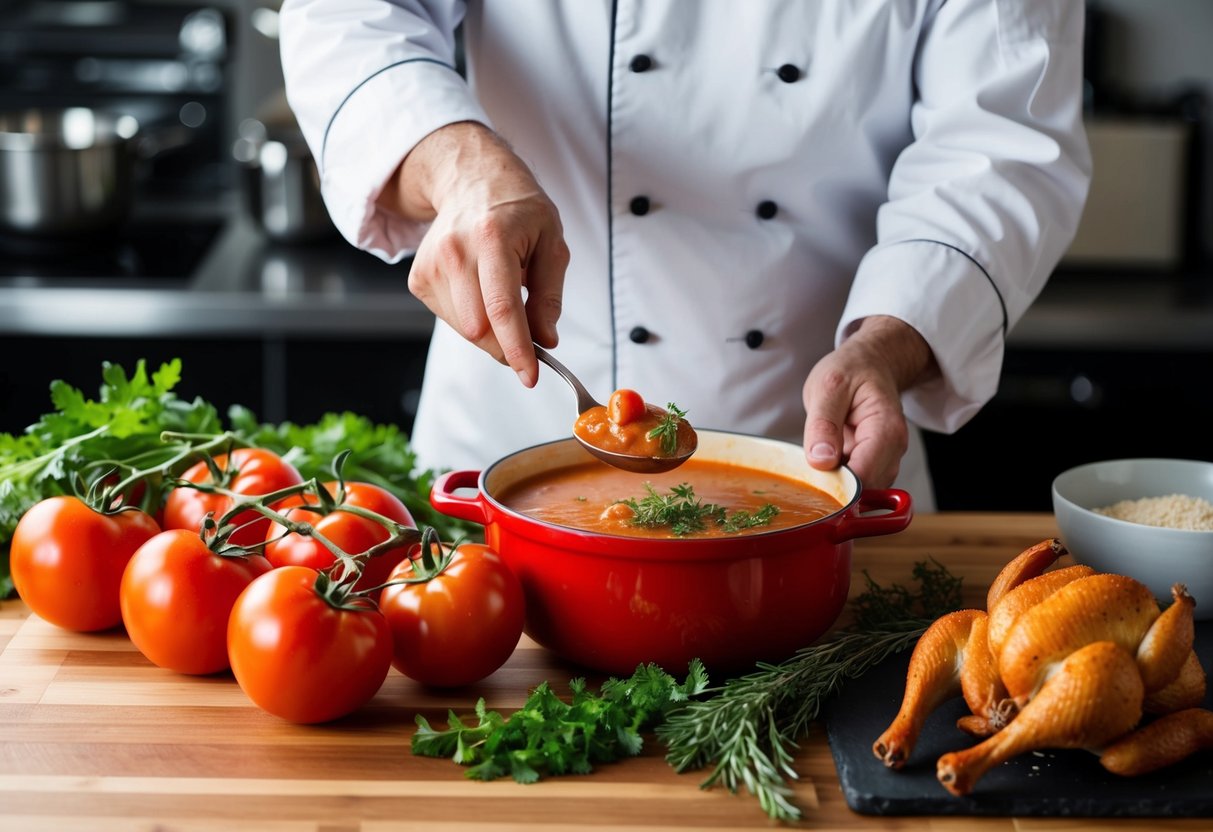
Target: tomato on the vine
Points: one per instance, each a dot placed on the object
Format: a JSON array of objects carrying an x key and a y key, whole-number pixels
[
  {"x": 67, "y": 560},
  {"x": 253, "y": 472},
  {"x": 298, "y": 656},
  {"x": 351, "y": 533},
  {"x": 177, "y": 595},
  {"x": 459, "y": 625}
]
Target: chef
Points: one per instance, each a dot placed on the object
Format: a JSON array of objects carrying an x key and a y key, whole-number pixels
[{"x": 814, "y": 220}]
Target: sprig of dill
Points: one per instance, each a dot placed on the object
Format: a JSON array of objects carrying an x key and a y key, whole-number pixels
[
  {"x": 667, "y": 429},
  {"x": 747, "y": 728},
  {"x": 685, "y": 513},
  {"x": 739, "y": 520}
]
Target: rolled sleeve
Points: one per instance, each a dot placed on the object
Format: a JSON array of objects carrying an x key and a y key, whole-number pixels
[{"x": 369, "y": 136}]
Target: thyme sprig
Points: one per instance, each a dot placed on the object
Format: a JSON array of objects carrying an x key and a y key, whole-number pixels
[
  {"x": 666, "y": 431},
  {"x": 747, "y": 728},
  {"x": 685, "y": 513}
]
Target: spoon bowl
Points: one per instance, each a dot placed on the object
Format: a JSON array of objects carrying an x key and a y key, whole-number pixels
[{"x": 636, "y": 463}]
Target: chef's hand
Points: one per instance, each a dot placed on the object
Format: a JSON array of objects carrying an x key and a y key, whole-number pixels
[
  {"x": 494, "y": 232},
  {"x": 852, "y": 400}
]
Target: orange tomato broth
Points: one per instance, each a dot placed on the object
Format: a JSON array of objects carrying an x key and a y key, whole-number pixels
[{"x": 578, "y": 495}]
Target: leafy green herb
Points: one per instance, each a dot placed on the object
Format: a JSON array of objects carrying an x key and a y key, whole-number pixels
[
  {"x": 747, "y": 728},
  {"x": 551, "y": 737},
  {"x": 667, "y": 429},
  {"x": 686, "y": 514},
  {"x": 123, "y": 423},
  {"x": 739, "y": 520}
]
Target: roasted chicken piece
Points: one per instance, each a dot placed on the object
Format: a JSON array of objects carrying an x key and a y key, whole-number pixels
[
  {"x": 933, "y": 676},
  {"x": 1163, "y": 742},
  {"x": 1094, "y": 697},
  {"x": 1068, "y": 658}
]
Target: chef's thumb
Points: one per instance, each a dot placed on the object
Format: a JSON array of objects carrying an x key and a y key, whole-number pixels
[{"x": 825, "y": 415}]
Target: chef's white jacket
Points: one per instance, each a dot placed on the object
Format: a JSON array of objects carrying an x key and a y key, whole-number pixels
[{"x": 739, "y": 183}]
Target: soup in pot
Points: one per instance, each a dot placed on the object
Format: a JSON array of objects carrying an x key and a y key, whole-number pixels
[{"x": 701, "y": 498}]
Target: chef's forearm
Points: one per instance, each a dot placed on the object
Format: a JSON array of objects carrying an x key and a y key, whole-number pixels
[
  {"x": 897, "y": 345},
  {"x": 446, "y": 161}
]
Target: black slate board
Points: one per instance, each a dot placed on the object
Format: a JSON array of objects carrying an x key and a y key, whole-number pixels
[{"x": 1044, "y": 783}]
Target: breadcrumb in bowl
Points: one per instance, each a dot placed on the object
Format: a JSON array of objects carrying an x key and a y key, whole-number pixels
[
  {"x": 1172, "y": 511},
  {"x": 1150, "y": 519}
]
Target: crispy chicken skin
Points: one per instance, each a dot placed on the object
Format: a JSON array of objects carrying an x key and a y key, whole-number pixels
[
  {"x": 1096, "y": 608},
  {"x": 1029, "y": 563},
  {"x": 933, "y": 676},
  {"x": 1025, "y": 596},
  {"x": 1163, "y": 742},
  {"x": 1186, "y": 691},
  {"x": 1094, "y": 697}
]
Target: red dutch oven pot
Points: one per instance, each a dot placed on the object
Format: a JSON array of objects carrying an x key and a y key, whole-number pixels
[{"x": 609, "y": 602}]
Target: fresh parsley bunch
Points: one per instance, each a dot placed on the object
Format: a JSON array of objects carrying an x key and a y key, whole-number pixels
[
  {"x": 551, "y": 737},
  {"x": 123, "y": 423}
]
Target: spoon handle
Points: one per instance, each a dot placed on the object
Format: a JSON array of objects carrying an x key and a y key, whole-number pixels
[{"x": 584, "y": 400}]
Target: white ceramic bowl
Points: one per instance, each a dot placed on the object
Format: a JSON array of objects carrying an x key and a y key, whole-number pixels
[{"x": 1155, "y": 555}]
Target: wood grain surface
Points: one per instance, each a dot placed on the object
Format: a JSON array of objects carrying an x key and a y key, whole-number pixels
[{"x": 94, "y": 738}]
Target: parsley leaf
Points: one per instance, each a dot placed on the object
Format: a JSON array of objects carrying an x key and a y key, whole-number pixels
[
  {"x": 125, "y": 421},
  {"x": 551, "y": 737}
]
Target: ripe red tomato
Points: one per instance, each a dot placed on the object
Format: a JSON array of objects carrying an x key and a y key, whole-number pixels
[
  {"x": 299, "y": 657},
  {"x": 256, "y": 472},
  {"x": 625, "y": 406},
  {"x": 352, "y": 534},
  {"x": 67, "y": 561},
  {"x": 459, "y": 626},
  {"x": 177, "y": 596}
]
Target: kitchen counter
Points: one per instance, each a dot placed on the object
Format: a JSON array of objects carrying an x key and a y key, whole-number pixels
[
  {"x": 93, "y": 737},
  {"x": 245, "y": 285}
]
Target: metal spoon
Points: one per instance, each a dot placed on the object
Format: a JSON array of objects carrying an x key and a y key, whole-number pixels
[{"x": 635, "y": 463}]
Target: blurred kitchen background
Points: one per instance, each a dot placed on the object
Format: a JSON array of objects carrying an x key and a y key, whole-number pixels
[{"x": 204, "y": 238}]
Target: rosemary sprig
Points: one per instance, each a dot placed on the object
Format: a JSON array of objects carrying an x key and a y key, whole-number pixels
[
  {"x": 747, "y": 728},
  {"x": 686, "y": 513},
  {"x": 667, "y": 429}
]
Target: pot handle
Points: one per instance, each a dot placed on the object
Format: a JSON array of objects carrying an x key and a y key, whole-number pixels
[
  {"x": 854, "y": 524},
  {"x": 444, "y": 499}
]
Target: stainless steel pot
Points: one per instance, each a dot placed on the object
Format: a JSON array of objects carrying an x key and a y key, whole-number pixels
[
  {"x": 65, "y": 171},
  {"x": 282, "y": 184}
]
